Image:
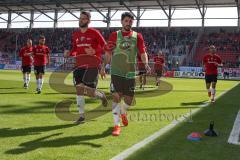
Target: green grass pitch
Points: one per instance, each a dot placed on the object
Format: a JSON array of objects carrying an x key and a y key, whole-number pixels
[{"x": 31, "y": 129}]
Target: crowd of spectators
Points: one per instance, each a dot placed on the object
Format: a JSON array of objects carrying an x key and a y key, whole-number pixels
[
  {"x": 226, "y": 43},
  {"x": 172, "y": 42}
]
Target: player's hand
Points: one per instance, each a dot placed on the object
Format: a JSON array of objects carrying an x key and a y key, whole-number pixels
[
  {"x": 103, "y": 73},
  {"x": 90, "y": 51},
  {"x": 66, "y": 53}
]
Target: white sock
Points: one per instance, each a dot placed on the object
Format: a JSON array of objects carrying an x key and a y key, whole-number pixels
[
  {"x": 40, "y": 83},
  {"x": 37, "y": 81},
  {"x": 209, "y": 90},
  {"x": 25, "y": 78},
  {"x": 80, "y": 103},
  {"x": 116, "y": 113},
  {"x": 213, "y": 92},
  {"x": 28, "y": 78},
  {"x": 124, "y": 108},
  {"x": 99, "y": 94}
]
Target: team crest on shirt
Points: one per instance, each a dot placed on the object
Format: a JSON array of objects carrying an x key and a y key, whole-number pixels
[
  {"x": 125, "y": 44},
  {"x": 82, "y": 38}
]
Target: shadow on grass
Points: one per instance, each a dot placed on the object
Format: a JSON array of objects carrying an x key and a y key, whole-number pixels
[
  {"x": 10, "y": 87},
  {"x": 46, "y": 142},
  {"x": 9, "y": 132},
  {"x": 193, "y": 103},
  {"x": 37, "y": 107},
  {"x": 13, "y": 92}
]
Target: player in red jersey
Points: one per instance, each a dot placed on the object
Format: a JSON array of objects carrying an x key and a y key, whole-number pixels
[
  {"x": 25, "y": 55},
  {"x": 122, "y": 50},
  {"x": 142, "y": 73},
  {"x": 87, "y": 48},
  {"x": 211, "y": 62},
  {"x": 159, "y": 64},
  {"x": 41, "y": 58}
]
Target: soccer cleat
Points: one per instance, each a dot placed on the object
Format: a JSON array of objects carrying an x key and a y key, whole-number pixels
[
  {"x": 209, "y": 94},
  {"x": 212, "y": 100},
  {"x": 140, "y": 86},
  {"x": 104, "y": 100},
  {"x": 38, "y": 91},
  {"x": 157, "y": 84},
  {"x": 116, "y": 131},
  {"x": 124, "y": 119},
  {"x": 80, "y": 120},
  {"x": 25, "y": 86}
]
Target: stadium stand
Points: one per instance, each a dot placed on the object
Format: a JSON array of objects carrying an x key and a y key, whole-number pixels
[
  {"x": 227, "y": 44},
  {"x": 178, "y": 42}
]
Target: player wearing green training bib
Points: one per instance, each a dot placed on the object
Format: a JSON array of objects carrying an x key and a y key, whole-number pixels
[{"x": 122, "y": 50}]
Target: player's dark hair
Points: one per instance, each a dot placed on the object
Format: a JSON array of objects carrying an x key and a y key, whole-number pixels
[
  {"x": 127, "y": 14},
  {"x": 87, "y": 14}
]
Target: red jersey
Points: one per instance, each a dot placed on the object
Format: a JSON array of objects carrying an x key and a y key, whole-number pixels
[
  {"x": 211, "y": 62},
  {"x": 81, "y": 41},
  {"x": 26, "y": 55},
  {"x": 113, "y": 38},
  {"x": 40, "y": 53},
  {"x": 158, "y": 62}
]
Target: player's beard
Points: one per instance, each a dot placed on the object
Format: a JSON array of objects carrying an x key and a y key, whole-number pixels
[
  {"x": 127, "y": 28},
  {"x": 83, "y": 25}
]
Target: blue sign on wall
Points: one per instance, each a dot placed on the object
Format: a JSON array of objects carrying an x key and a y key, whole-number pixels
[{"x": 2, "y": 66}]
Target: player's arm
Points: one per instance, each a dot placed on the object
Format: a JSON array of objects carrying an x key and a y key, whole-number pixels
[
  {"x": 204, "y": 61},
  {"x": 106, "y": 60},
  {"x": 48, "y": 55},
  {"x": 101, "y": 42},
  {"x": 108, "y": 48},
  {"x": 73, "y": 51},
  {"x": 142, "y": 52},
  {"x": 219, "y": 62}
]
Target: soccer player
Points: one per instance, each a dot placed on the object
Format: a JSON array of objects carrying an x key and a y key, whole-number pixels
[
  {"x": 142, "y": 73},
  {"x": 211, "y": 62},
  {"x": 41, "y": 58},
  {"x": 159, "y": 63},
  {"x": 25, "y": 55},
  {"x": 87, "y": 48},
  {"x": 122, "y": 50}
]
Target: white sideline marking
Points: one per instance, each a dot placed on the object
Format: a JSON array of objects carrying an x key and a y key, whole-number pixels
[
  {"x": 162, "y": 131},
  {"x": 235, "y": 133}
]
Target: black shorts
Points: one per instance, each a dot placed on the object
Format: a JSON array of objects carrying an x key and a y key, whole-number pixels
[
  {"x": 26, "y": 69},
  {"x": 142, "y": 71},
  {"x": 158, "y": 73},
  {"x": 210, "y": 78},
  {"x": 122, "y": 85},
  {"x": 87, "y": 76},
  {"x": 39, "y": 69}
]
